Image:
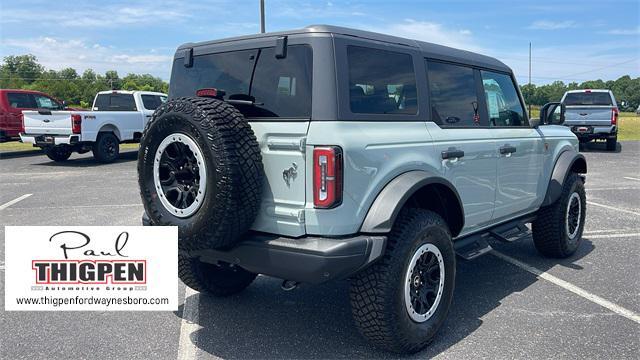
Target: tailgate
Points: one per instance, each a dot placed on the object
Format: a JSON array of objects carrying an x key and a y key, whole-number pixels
[
  {"x": 54, "y": 122},
  {"x": 588, "y": 115}
]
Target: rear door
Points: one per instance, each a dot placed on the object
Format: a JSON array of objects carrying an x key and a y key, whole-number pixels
[
  {"x": 274, "y": 94},
  {"x": 519, "y": 147},
  {"x": 17, "y": 102},
  {"x": 150, "y": 102},
  {"x": 462, "y": 139}
]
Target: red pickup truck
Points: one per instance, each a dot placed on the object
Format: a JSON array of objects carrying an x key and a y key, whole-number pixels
[{"x": 12, "y": 102}]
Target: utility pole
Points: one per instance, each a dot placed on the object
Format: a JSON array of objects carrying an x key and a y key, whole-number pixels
[
  {"x": 262, "y": 16},
  {"x": 530, "y": 77}
]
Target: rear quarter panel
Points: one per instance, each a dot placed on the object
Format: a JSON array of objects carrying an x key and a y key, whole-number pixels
[{"x": 375, "y": 152}]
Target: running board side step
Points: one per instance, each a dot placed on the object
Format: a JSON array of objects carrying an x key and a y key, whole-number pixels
[{"x": 473, "y": 246}]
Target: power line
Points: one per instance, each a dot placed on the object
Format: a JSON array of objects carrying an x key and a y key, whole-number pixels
[{"x": 603, "y": 67}]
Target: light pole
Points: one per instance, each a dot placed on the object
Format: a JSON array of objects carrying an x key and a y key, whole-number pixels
[{"x": 262, "y": 16}]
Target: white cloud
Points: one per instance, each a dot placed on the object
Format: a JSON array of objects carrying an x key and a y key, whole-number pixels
[
  {"x": 552, "y": 25},
  {"x": 631, "y": 31},
  {"x": 434, "y": 33},
  {"x": 55, "y": 53}
]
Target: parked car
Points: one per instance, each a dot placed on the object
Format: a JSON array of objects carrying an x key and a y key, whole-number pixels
[
  {"x": 330, "y": 153},
  {"x": 592, "y": 115},
  {"x": 638, "y": 110},
  {"x": 13, "y": 102},
  {"x": 116, "y": 117}
]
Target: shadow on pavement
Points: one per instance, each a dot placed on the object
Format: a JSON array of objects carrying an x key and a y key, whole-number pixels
[
  {"x": 601, "y": 146},
  {"x": 126, "y": 156},
  {"x": 314, "y": 322},
  {"x": 20, "y": 154}
]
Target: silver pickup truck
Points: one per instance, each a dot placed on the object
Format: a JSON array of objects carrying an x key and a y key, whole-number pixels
[{"x": 592, "y": 115}]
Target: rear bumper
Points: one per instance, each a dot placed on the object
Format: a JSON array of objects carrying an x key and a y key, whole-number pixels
[
  {"x": 594, "y": 132},
  {"x": 306, "y": 259},
  {"x": 43, "y": 140}
]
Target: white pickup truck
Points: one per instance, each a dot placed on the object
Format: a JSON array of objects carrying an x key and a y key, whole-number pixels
[{"x": 116, "y": 117}]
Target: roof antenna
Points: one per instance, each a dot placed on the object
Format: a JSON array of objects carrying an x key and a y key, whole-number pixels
[{"x": 262, "y": 16}]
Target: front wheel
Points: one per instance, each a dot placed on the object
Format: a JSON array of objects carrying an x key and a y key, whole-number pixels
[
  {"x": 557, "y": 230},
  {"x": 400, "y": 302},
  {"x": 59, "y": 153}
]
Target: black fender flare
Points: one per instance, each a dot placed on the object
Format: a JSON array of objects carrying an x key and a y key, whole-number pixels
[
  {"x": 567, "y": 160},
  {"x": 385, "y": 208}
]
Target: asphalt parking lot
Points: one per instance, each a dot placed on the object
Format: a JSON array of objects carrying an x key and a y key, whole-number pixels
[{"x": 586, "y": 306}]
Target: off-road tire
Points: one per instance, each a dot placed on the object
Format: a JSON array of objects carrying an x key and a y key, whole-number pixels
[
  {"x": 377, "y": 293},
  {"x": 59, "y": 153},
  {"x": 549, "y": 229},
  {"x": 233, "y": 167},
  {"x": 106, "y": 149},
  {"x": 216, "y": 280},
  {"x": 612, "y": 143}
]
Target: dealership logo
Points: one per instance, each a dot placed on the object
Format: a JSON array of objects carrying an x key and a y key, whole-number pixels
[
  {"x": 88, "y": 271},
  {"x": 99, "y": 268}
]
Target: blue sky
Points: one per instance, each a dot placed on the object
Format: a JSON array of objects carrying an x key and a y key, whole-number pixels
[{"x": 572, "y": 40}]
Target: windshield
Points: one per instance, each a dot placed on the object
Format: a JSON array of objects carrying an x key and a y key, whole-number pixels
[{"x": 588, "y": 98}]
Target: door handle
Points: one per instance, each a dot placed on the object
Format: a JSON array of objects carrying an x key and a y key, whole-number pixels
[
  {"x": 452, "y": 153},
  {"x": 507, "y": 149}
]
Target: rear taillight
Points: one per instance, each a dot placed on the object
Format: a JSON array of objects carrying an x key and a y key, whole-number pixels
[
  {"x": 22, "y": 130},
  {"x": 76, "y": 123},
  {"x": 327, "y": 177},
  {"x": 614, "y": 116}
]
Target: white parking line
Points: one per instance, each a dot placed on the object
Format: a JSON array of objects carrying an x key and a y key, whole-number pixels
[
  {"x": 613, "y": 208},
  {"x": 631, "y": 178},
  {"x": 609, "y": 236},
  {"x": 7, "y": 204},
  {"x": 608, "y": 231},
  {"x": 568, "y": 286},
  {"x": 187, "y": 349},
  {"x": 77, "y": 207}
]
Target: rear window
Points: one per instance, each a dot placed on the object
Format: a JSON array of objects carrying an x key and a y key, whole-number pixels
[
  {"x": 21, "y": 101},
  {"x": 381, "y": 82},
  {"x": 270, "y": 87},
  {"x": 115, "y": 102},
  {"x": 588, "y": 98},
  {"x": 152, "y": 102}
]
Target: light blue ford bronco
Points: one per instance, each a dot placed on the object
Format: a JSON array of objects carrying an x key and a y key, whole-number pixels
[{"x": 328, "y": 153}]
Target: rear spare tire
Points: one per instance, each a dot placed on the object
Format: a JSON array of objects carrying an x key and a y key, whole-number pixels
[{"x": 199, "y": 168}]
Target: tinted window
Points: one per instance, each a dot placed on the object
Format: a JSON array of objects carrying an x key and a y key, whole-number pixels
[
  {"x": 115, "y": 102},
  {"x": 230, "y": 71},
  {"x": 276, "y": 87},
  {"x": 503, "y": 104},
  {"x": 454, "y": 101},
  {"x": 151, "y": 102},
  {"x": 21, "y": 101},
  {"x": 45, "y": 102},
  {"x": 588, "y": 98},
  {"x": 381, "y": 82}
]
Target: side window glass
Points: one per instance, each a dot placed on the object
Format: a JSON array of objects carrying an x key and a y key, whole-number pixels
[
  {"x": 454, "y": 100},
  {"x": 503, "y": 104},
  {"x": 44, "y": 102},
  {"x": 381, "y": 82},
  {"x": 21, "y": 101},
  {"x": 152, "y": 102}
]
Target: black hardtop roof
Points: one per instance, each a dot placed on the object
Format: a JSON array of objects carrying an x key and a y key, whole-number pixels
[{"x": 428, "y": 49}]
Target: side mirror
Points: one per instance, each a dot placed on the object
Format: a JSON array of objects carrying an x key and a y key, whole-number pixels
[
  {"x": 534, "y": 122},
  {"x": 552, "y": 114}
]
